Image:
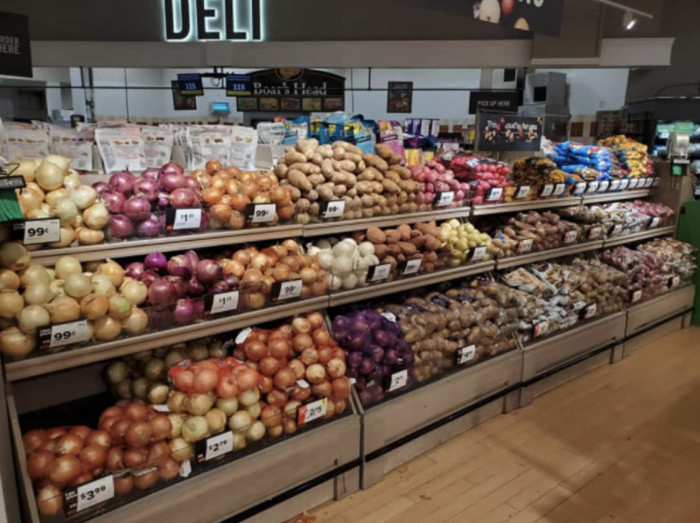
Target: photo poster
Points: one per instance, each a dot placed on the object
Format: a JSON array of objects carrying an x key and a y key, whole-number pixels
[
  {"x": 180, "y": 101},
  {"x": 538, "y": 16},
  {"x": 399, "y": 97}
]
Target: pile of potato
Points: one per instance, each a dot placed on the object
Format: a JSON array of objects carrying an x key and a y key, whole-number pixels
[
  {"x": 369, "y": 184},
  {"x": 535, "y": 232},
  {"x": 462, "y": 239}
]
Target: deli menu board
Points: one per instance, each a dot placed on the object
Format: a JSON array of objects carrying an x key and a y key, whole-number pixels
[
  {"x": 508, "y": 132},
  {"x": 290, "y": 89}
]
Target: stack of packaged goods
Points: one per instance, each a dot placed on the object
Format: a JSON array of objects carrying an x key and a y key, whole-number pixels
[
  {"x": 534, "y": 172},
  {"x": 632, "y": 155},
  {"x": 583, "y": 163}
]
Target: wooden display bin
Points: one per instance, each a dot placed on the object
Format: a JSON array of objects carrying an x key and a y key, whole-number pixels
[
  {"x": 546, "y": 363},
  {"x": 392, "y": 430},
  {"x": 657, "y": 317}
]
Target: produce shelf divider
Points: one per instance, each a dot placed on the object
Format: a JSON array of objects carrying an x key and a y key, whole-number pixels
[
  {"x": 503, "y": 208},
  {"x": 524, "y": 259},
  {"x": 644, "y": 235},
  {"x": 616, "y": 196}
]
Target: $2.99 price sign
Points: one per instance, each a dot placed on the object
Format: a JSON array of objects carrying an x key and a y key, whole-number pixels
[
  {"x": 260, "y": 212},
  {"x": 89, "y": 494},
  {"x": 37, "y": 232},
  {"x": 64, "y": 334},
  {"x": 312, "y": 411}
]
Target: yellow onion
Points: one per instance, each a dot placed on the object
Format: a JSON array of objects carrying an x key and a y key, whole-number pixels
[
  {"x": 107, "y": 328},
  {"x": 14, "y": 256},
  {"x": 11, "y": 304},
  {"x": 94, "y": 306},
  {"x": 56, "y": 287},
  {"x": 96, "y": 216},
  {"x": 33, "y": 317},
  {"x": 113, "y": 271},
  {"x": 53, "y": 197},
  {"x": 63, "y": 309},
  {"x": 87, "y": 236},
  {"x": 102, "y": 285},
  {"x": 35, "y": 274},
  {"x": 67, "y": 237},
  {"x": 37, "y": 214},
  {"x": 83, "y": 196},
  {"x": 9, "y": 280},
  {"x": 134, "y": 291},
  {"x": 60, "y": 161},
  {"x": 137, "y": 322},
  {"x": 77, "y": 285},
  {"x": 16, "y": 343},
  {"x": 72, "y": 181},
  {"x": 67, "y": 265},
  {"x": 37, "y": 294},
  {"x": 119, "y": 307},
  {"x": 27, "y": 169},
  {"x": 64, "y": 209},
  {"x": 29, "y": 201}
]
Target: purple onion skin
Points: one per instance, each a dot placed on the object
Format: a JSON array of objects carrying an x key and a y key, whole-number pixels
[
  {"x": 113, "y": 200},
  {"x": 137, "y": 208},
  {"x": 147, "y": 188},
  {"x": 151, "y": 174},
  {"x": 180, "y": 266},
  {"x": 149, "y": 228},
  {"x": 218, "y": 287},
  {"x": 120, "y": 227},
  {"x": 354, "y": 359},
  {"x": 341, "y": 323},
  {"x": 155, "y": 261},
  {"x": 184, "y": 312},
  {"x": 149, "y": 277},
  {"x": 135, "y": 270},
  {"x": 377, "y": 354},
  {"x": 391, "y": 357},
  {"x": 208, "y": 272},
  {"x": 198, "y": 309},
  {"x": 366, "y": 367},
  {"x": 351, "y": 372},
  {"x": 180, "y": 286},
  {"x": 100, "y": 187},
  {"x": 195, "y": 287},
  {"x": 123, "y": 182},
  {"x": 171, "y": 168}
]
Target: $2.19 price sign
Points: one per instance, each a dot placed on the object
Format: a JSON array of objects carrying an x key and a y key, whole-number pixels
[
  {"x": 379, "y": 272},
  {"x": 312, "y": 411},
  {"x": 64, "y": 334},
  {"x": 183, "y": 219},
  {"x": 89, "y": 494},
  {"x": 224, "y": 302},
  {"x": 37, "y": 232},
  {"x": 444, "y": 199},
  {"x": 288, "y": 290},
  {"x": 260, "y": 212},
  {"x": 466, "y": 354},
  {"x": 332, "y": 209}
]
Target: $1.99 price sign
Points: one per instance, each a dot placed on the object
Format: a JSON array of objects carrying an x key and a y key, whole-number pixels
[
  {"x": 312, "y": 411},
  {"x": 224, "y": 302},
  {"x": 332, "y": 209},
  {"x": 89, "y": 494},
  {"x": 64, "y": 334},
  {"x": 260, "y": 212},
  {"x": 37, "y": 232},
  {"x": 183, "y": 219}
]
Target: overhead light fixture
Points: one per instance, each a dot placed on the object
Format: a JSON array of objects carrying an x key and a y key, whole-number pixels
[{"x": 629, "y": 20}]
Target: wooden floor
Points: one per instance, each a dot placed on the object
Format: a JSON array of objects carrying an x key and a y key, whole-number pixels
[{"x": 621, "y": 444}]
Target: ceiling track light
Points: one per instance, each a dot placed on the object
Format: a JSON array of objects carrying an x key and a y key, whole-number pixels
[
  {"x": 629, "y": 20},
  {"x": 630, "y": 17}
]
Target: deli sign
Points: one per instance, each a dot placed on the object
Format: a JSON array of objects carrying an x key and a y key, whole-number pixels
[{"x": 213, "y": 20}]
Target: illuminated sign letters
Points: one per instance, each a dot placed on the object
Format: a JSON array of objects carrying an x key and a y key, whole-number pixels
[{"x": 213, "y": 20}]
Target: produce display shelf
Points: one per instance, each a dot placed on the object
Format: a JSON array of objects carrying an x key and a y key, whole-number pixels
[
  {"x": 404, "y": 284},
  {"x": 329, "y": 228},
  {"x": 502, "y": 208},
  {"x": 40, "y": 365},
  {"x": 524, "y": 259},
  {"x": 616, "y": 196},
  {"x": 644, "y": 235},
  {"x": 126, "y": 249},
  {"x": 641, "y": 315}
]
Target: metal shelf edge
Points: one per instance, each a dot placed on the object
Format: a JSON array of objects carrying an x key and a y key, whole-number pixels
[
  {"x": 515, "y": 261},
  {"x": 503, "y": 208},
  {"x": 644, "y": 235},
  {"x": 616, "y": 196},
  {"x": 562, "y": 335}
]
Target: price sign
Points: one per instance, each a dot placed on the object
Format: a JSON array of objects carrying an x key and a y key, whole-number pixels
[
  {"x": 559, "y": 189},
  {"x": 615, "y": 185},
  {"x": 12, "y": 182},
  {"x": 540, "y": 328},
  {"x": 398, "y": 380},
  {"x": 604, "y": 186},
  {"x": 590, "y": 311},
  {"x": 478, "y": 253},
  {"x": 224, "y": 302},
  {"x": 592, "y": 187},
  {"x": 636, "y": 296},
  {"x": 494, "y": 194},
  {"x": 63, "y": 334},
  {"x": 332, "y": 209},
  {"x": 243, "y": 335},
  {"x": 379, "y": 272},
  {"x": 522, "y": 192},
  {"x": 288, "y": 290},
  {"x": 595, "y": 233},
  {"x": 36, "y": 232},
  {"x": 547, "y": 190},
  {"x": 654, "y": 222},
  {"x": 633, "y": 183},
  {"x": 570, "y": 237},
  {"x": 624, "y": 184},
  {"x": 525, "y": 246},
  {"x": 183, "y": 219},
  {"x": 389, "y": 316},
  {"x": 312, "y": 411},
  {"x": 408, "y": 267},
  {"x": 579, "y": 189},
  {"x": 617, "y": 229},
  {"x": 673, "y": 282},
  {"x": 648, "y": 182},
  {"x": 466, "y": 354},
  {"x": 260, "y": 212},
  {"x": 218, "y": 445},
  {"x": 90, "y": 494},
  {"x": 444, "y": 199}
]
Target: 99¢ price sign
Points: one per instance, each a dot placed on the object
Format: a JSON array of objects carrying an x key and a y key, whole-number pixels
[
  {"x": 332, "y": 209},
  {"x": 64, "y": 334},
  {"x": 37, "y": 232},
  {"x": 261, "y": 212}
]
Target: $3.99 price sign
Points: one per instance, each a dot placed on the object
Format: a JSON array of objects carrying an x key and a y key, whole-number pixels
[
  {"x": 37, "y": 232},
  {"x": 332, "y": 209},
  {"x": 64, "y": 334},
  {"x": 261, "y": 212},
  {"x": 312, "y": 411},
  {"x": 89, "y": 494}
]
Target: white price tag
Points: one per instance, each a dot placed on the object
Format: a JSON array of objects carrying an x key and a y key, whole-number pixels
[
  {"x": 624, "y": 184},
  {"x": 352, "y": 381},
  {"x": 615, "y": 185},
  {"x": 540, "y": 329},
  {"x": 68, "y": 333},
  {"x": 559, "y": 189},
  {"x": 636, "y": 296},
  {"x": 523, "y": 192},
  {"x": 525, "y": 246},
  {"x": 42, "y": 231},
  {"x": 412, "y": 266},
  {"x": 185, "y": 468},
  {"x": 187, "y": 219},
  {"x": 219, "y": 445},
  {"x": 379, "y": 272},
  {"x": 243, "y": 335},
  {"x": 224, "y": 302},
  {"x": 648, "y": 182},
  {"x": 398, "y": 380},
  {"x": 580, "y": 188},
  {"x": 547, "y": 190},
  {"x": 334, "y": 209},
  {"x": 312, "y": 411},
  {"x": 654, "y": 222},
  {"x": 262, "y": 212},
  {"x": 674, "y": 282},
  {"x": 595, "y": 233},
  {"x": 389, "y": 316},
  {"x": 591, "y": 311},
  {"x": 303, "y": 384},
  {"x": 95, "y": 492},
  {"x": 290, "y": 289},
  {"x": 466, "y": 354},
  {"x": 161, "y": 408},
  {"x": 633, "y": 183},
  {"x": 592, "y": 187},
  {"x": 604, "y": 186},
  {"x": 478, "y": 253},
  {"x": 494, "y": 194},
  {"x": 444, "y": 199},
  {"x": 570, "y": 237}
]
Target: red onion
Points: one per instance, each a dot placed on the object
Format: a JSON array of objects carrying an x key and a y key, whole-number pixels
[
  {"x": 219, "y": 287},
  {"x": 180, "y": 286},
  {"x": 182, "y": 198},
  {"x": 195, "y": 287},
  {"x": 120, "y": 226},
  {"x": 198, "y": 309},
  {"x": 181, "y": 266},
  {"x": 193, "y": 257},
  {"x": 208, "y": 272},
  {"x": 149, "y": 228},
  {"x": 135, "y": 270},
  {"x": 232, "y": 282},
  {"x": 163, "y": 200},
  {"x": 149, "y": 277},
  {"x": 192, "y": 183},
  {"x": 161, "y": 292},
  {"x": 156, "y": 261},
  {"x": 147, "y": 188},
  {"x": 151, "y": 174},
  {"x": 172, "y": 181},
  {"x": 137, "y": 208},
  {"x": 204, "y": 223},
  {"x": 100, "y": 187},
  {"x": 183, "y": 312},
  {"x": 114, "y": 201},
  {"x": 171, "y": 168},
  {"x": 122, "y": 182}
]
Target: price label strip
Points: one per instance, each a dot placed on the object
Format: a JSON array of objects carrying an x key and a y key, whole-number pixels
[
  {"x": 523, "y": 192},
  {"x": 478, "y": 253},
  {"x": 223, "y": 302},
  {"x": 466, "y": 354},
  {"x": 590, "y": 311},
  {"x": 525, "y": 246},
  {"x": 12, "y": 182},
  {"x": 410, "y": 267},
  {"x": 559, "y": 189},
  {"x": 37, "y": 232},
  {"x": 615, "y": 185},
  {"x": 287, "y": 290},
  {"x": 648, "y": 182},
  {"x": 444, "y": 199},
  {"x": 547, "y": 190},
  {"x": 616, "y": 230},
  {"x": 63, "y": 334},
  {"x": 654, "y": 222},
  {"x": 592, "y": 187},
  {"x": 604, "y": 186},
  {"x": 89, "y": 494},
  {"x": 570, "y": 237},
  {"x": 633, "y": 183},
  {"x": 673, "y": 282},
  {"x": 580, "y": 188},
  {"x": 379, "y": 272},
  {"x": 624, "y": 184},
  {"x": 494, "y": 194},
  {"x": 260, "y": 212},
  {"x": 389, "y": 316},
  {"x": 396, "y": 381},
  {"x": 312, "y": 411},
  {"x": 332, "y": 209},
  {"x": 540, "y": 328},
  {"x": 183, "y": 219},
  {"x": 214, "y": 447}
]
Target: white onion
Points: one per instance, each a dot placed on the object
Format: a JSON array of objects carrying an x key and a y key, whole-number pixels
[
  {"x": 349, "y": 281},
  {"x": 96, "y": 216},
  {"x": 344, "y": 248},
  {"x": 57, "y": 289},
  {"x": 134, "y": 291},
  {"x": 83, "y": 196},
  {"x": 136, "y": 323},
  {"x": 334, "y": 282},
  {"x": 325, "y": 259},
  {"x": 64, "y": 209},
  {"x": 366, "y": 248},
  {"x": 14, "y": 256},
  {"x": 11, "y": 304},
  {"x": 35, "y": 274},
  {"x": 342, "y": 264},
  {"x": 77, "y": 285},
  {"x": 33, "y": 317},
  {"x": 37, "y": 214},
  {"x": 67, "y": 265},
  {"x": 323, "y": 244},
  {"x": 61, "y": 161},
  {"x": 27, "y": 169},
  {"x": 101, "y": 284},
  {"x": 313, "y": 250},
  {"x": 16, "y": 343},
  {"x": 37, "y": 294}
]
